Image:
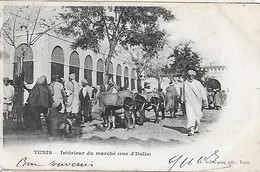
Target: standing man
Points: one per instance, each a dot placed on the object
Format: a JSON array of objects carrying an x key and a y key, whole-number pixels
[
  {"x": 8, "y": 93},
  {"x": 85, "y": 101},
  {"x": 73, "y": 88},
  {"x": 171, "y": 100},
  {"x": 58, "y": 92},
  {"x": 194, "y": 97}
]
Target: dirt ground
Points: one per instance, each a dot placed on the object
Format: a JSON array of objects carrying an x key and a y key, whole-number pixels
[{"x": 170, "y": 131}]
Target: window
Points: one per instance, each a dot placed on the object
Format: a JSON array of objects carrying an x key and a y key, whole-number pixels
[
  {"x": 24, "y": 52},
  {"x": 126, "y": 75},
  {"x": 118, "y": 75},
  {"x": 133, "y": 78},
  {"x": 110, "y": 71},
  {"x": 57, "y": 62},
  {"x": 88, "y": 66},
  {"x": 100, "y": 71},
  {"x": 74, "y": 64}
]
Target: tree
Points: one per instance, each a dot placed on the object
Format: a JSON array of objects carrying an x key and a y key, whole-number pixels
[
  {"x": 93, "y": 25},
  {"x": 24, "y": 24},
  {"x": 183, "y": 58},
  {"x": 29, "y": 18},
  {"x": 157, "y": 69}
]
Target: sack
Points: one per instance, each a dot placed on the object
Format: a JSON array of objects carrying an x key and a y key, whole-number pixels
[
  {"x": 125, "y": 93},
  {"x": 110, "y": 99}
]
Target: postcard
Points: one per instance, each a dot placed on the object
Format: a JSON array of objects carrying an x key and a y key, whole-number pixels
[{"x": 133, "y": 86}]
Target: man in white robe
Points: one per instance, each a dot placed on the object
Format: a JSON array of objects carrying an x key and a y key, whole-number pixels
[
  {"x": 73, "y": 88},
  {"x": 194, "y": 98},
  {"x": 8, "y": 94}
]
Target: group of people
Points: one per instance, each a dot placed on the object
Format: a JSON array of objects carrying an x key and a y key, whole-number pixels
[
  {"x": 61, "y": 102},
  {"x": 216, "y": 99}
]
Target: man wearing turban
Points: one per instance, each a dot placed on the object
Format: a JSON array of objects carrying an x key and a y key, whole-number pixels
[
  {"x": 8, "y": 94},
  {"x": 85, "y": 98},
  {"x": 73, "y": 88},
  {"x": 194, "y": 96}
]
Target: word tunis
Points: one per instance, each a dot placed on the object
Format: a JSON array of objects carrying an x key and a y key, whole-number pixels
[
  {"x": 140, "y": 154},
  {"x": 42, "y": 152}
]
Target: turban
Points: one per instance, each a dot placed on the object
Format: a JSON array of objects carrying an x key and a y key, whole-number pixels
[
  {"x": 56, "y": 104},
  {"x": 6, "y": 79},
  {"x": 191, "y": 72},
  {"x": 84, "y": 81},
  {"x": 72, "y": 76}
]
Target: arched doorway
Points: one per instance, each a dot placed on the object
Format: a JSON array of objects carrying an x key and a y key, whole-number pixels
[
  {"x": 57, "y": 62},
  {"x": 110, "y": 71},
  {"x": 126, "y": 75},
  {"x": 133, "y": 78},
  {"x": 213, "y": 83},
  {"x": 118, "y": 75},
  {"x": 100, "y": 71},
  {"x": 23, "y": 52},
  {"x": 74, "y": 64},
  {"x": 88, "y": 67}
]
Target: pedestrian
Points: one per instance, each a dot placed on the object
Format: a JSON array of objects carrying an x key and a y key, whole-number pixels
[
  {"x": 8, "y": 94},
  {"x": 73, "y": 88},
  {"x": 171, "y": 100},
  {"x": 224, "y": 98},
  {"x": 217, "y": 99},
  {"x": 210, "y": 97},
  {"x": 39, "y": 100},
  {"x": 58, "y": 92},
  {"x": 85, "y": 102},
  {"x": 194, "y": 98},
  {"x": 102, "y": 114}
]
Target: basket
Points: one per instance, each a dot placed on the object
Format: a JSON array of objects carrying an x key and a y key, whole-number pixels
[
  {"x": 110, "y": 99},
  {"x": 125, "y": 93}
]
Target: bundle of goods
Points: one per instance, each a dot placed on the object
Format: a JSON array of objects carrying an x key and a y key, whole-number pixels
[{"x": 110, "y": 99}]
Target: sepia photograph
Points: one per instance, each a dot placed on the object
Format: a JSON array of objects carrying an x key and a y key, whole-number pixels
[{"x": 130, "y": 86}]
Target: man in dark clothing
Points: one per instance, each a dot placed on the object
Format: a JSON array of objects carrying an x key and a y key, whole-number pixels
[
  {"x": 85, "y": 102},
  {"x": 39, "y": 100}
]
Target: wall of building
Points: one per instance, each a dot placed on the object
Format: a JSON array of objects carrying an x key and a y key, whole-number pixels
[
  {"x": 42, "y": 52},
  {"x": 217, "y": 72}
]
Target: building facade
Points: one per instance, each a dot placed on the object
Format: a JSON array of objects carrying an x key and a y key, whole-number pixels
[
  {"x": 216, "y": 72},
  {"x": 52, "y": 55}
]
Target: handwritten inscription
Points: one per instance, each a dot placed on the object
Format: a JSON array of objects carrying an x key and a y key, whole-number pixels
[
  {"x": 181, "y": 161},
  {"x": 24, "y": 162}
]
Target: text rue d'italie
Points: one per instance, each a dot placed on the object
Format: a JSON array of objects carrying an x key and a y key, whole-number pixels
[{"x": 97, "y": 153}]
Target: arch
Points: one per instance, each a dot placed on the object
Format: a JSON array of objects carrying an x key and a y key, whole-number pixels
[
  {"x": 88, "y": 64},
  {"x": 133, "y": 78},
  {"x": 126, "y": 75},
  {"x": 100, "y": 71},
  {"x": 74, "y": 64},
  {"x": 118, "y": 75},
  {"x": 74, "y": 59},
  {"x": 118, "y": 70},
  {"x": 110, "y": 71},
  {"x": 100, "y": 65},
  {"x": 23, "y": 51},
  {"x": 126, "y": 72},
  {"x": 133, "y": 74},
  {"x": 57, "y": 55},
  {"x": 213, "y": 83}
]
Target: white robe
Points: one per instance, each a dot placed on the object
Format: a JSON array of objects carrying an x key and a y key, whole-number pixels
[
  {"x": 194, "y": 95},
  {"x": 73, "y": 88}
]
